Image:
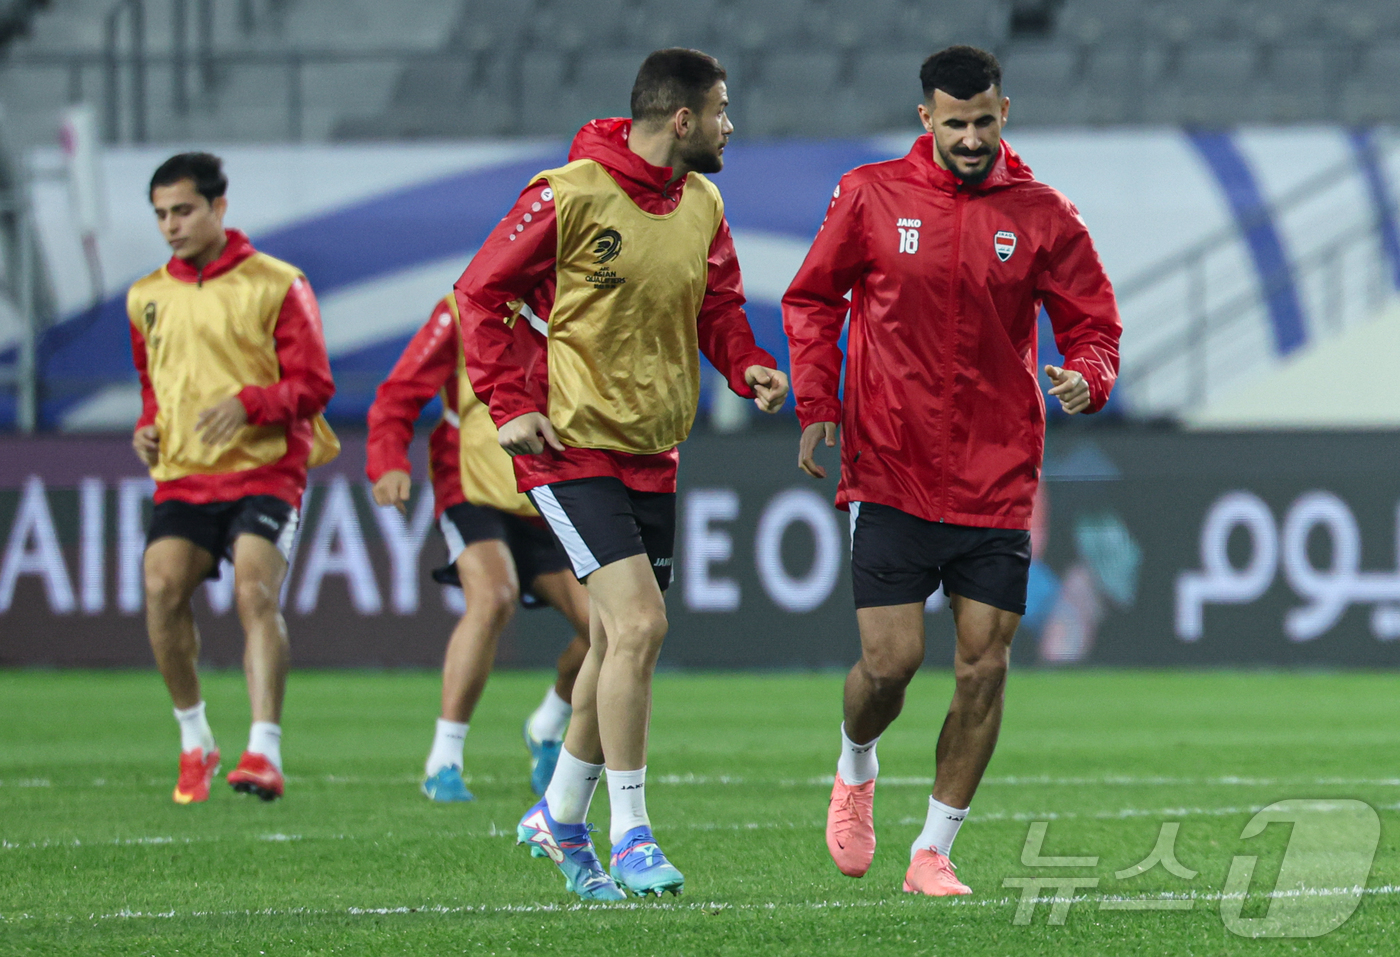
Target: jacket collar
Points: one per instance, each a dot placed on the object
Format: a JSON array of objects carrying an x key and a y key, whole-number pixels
[
  {"x": 605, "y": 141},
  {"x": 1008, "y": 170},
  {"x": 237, "y": 249}
]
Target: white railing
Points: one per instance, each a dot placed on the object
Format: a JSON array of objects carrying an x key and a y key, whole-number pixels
[{"x": 1198, "y": 323}]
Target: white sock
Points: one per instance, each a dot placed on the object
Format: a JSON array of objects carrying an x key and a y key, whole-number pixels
[
  {"x": 627, "y": 792},
  {"x": 858, "y": 762},
  {"x": 265, "y": 738},
  {"x": 194, "y": 729},
  {"x": 551, "y": 718},
  {"x": 940, "y": 827},
  {"x": 571, "y": 789},
  {"x": 448, "y": 743}
]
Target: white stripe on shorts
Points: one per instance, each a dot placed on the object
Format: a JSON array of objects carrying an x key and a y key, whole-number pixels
[
  {"x": 579, "y": 555},
  {"x": 455, "y": 545},
  {"x": 855, "y": 514},
  {"x": 287, "y": 540},
  {"x": 287, "y": 544}
]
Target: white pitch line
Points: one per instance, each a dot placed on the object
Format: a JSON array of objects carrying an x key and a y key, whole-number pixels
[
  {"x": 1118, "y": 815},
  {"x": 147, "y": 841},
  {"x": 1130, "y": 781},
  {"x": 493, "y": 831},
  {"x": 712, "y": 907},
  {"x": 728, "y": 780}
]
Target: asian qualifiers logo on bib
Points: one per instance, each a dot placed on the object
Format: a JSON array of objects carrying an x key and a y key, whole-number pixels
[
  {"x": 1004, "y": 243},
  {"x": 606, "y": 245}
]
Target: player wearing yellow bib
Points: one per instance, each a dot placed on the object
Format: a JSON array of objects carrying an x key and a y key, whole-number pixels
[
  {"x": 499, "y": 551},
  {"x": 227, "y": 344},
  {"x": 634, "y": 240}
]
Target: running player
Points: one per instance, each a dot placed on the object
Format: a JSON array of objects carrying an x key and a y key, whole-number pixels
[
  {"x": 948, "y": 255},
  {"x": 647, "y": 279},
  {"x": 498, "y": 549},
  {"x": 228, "y": 346}
]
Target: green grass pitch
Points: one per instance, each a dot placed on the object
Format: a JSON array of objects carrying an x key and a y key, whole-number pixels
[{"x": 96, "y": 859}]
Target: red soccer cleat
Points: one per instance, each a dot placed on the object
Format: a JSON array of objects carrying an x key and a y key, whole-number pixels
[
  {"x": 931, "y": 873},
  {"x": 850, "y": 826},
  {"x": 196, "y": 773},
  {"x": 255, "y": 774}
]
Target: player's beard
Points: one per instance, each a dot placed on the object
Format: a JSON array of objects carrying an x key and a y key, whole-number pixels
[
  {"x": 702, "y": 157},
  {"x": 972, "y": 179}
]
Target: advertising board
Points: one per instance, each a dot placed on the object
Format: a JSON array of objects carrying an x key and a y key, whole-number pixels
[{"x": 1150, "y": 548}]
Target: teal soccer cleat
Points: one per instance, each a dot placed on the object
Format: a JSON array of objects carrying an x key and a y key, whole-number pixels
[
  {"x": 544, "y": 755},
  {"x": 447, "y": 786},
  {"x": 639, "y": 865},
  {"x": 571, "y": 849}
]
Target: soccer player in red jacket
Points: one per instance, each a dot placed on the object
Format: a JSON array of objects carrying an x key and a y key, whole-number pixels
[
  {"x": 947, "y": 256},
  {"x": 499, "y": 551},
  {"x": 234, "y": 375},
  {"x": 626, "y": 254}
]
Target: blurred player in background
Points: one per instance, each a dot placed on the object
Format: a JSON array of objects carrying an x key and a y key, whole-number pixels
[
  {"x": 647, "y": 278},
  {"x": 234, "y": 376},
  {"x": 499, "y": 551},
  {"x": 947, "y": 255}
]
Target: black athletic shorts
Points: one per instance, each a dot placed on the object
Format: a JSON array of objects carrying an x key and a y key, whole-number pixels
[
  {"x": 899, "y": 559},
  {"x": 215, "y": 526},
  {"x": 600, "y": 521},
  {"x": 532, "y": 547}
]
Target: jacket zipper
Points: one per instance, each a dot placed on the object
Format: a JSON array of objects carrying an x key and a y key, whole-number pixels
[{"x": 954, "y": 314}]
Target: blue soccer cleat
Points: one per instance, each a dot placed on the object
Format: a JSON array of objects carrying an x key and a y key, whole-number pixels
[
  {"x": 544, "y": 756},
  {"x": 447, "y": 786},
  {"x": 571, "y": 849},
  {"x": 639, "y": 865}
]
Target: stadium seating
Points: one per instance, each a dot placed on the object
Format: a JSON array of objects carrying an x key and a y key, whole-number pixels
[{"x": 356, "y": 69}]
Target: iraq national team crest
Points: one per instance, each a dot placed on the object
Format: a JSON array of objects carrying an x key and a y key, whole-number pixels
[{"x": 1004, "y": 243}]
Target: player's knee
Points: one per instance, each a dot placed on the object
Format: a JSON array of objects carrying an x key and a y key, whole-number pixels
[
  {"x": 890, "y": 674},
  {"x": 255, "y": 598},
  {"x": 166, "y": 591},
  {"x": 640, "y": 635},
  {"x": 495, "y": 601},
  {"x": 983, "y": 673}
]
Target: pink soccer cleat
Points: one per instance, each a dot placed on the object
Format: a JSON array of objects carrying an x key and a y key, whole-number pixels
[
  {"x": 255, "y": 774},
  {"x": 850, "y": 826},
  {"x": 931, "y": 873},
  {"x": 197, "y": 769}
]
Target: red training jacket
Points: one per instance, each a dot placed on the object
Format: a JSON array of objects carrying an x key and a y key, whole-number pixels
[
  {"x": 943, "y": 415},
  {"x": 294, "y": 400},
  {"x": 517, "y": 263},
  {"x": 427, "y": 367}
]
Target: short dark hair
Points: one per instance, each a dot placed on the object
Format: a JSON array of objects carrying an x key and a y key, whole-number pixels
[
  {"x": 671, "y": 79},
  {"x": 960, "y": 71},
  {"x": 205, "y": 170}
]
